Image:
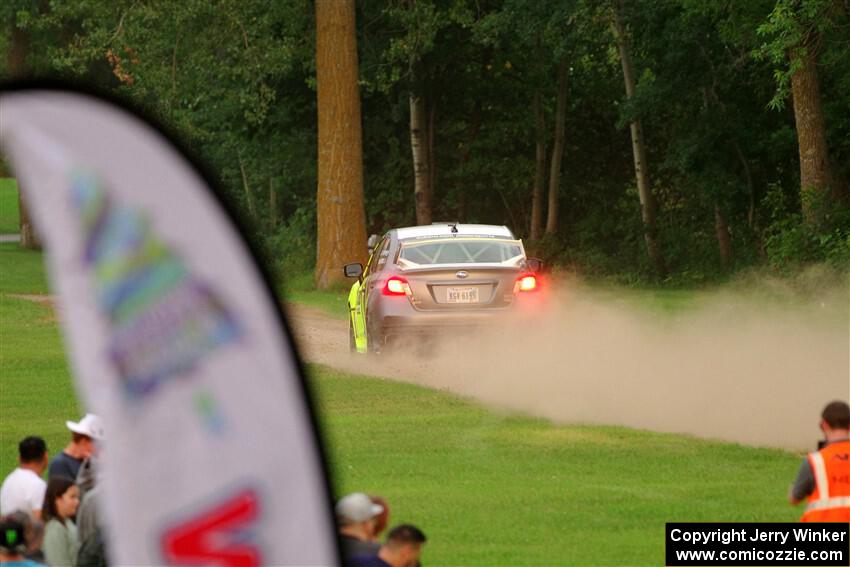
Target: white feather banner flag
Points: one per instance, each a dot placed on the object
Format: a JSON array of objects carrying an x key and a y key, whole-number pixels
[{"x": 212, "y": 456}]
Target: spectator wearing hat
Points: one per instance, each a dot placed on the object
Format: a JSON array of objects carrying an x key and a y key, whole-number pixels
[
  {"x": 24, "y": 488},
  {"x": 13, "y": 544},
  {"x": 83, "y": 436},
  {"x": 355, "y": 514},
  {"x": 402, "y": 549}
]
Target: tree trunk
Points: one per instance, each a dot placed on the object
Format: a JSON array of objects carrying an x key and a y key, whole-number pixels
[
  {"x": 752, "y": 221},
  {"x": 17, "y": 65},
  {"x": 817, "y": 180},
  {"x": 340, "y": 212},
  {"x": 29, "y": 238},
  {"x": 557, "y": 148},
  {"x": 249, "y": 196},
  {"x": 751, "y": 209},
  {"x": 18, "y": 51},
  {"x": 647, "y": 199},
  {"x": 421, "y": 160},
  {"x": 539, "y": 170},
  {"x": 724, "y": 239}
]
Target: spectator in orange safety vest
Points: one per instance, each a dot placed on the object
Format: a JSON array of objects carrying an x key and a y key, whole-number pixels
[{"x": 824, "y": 476}]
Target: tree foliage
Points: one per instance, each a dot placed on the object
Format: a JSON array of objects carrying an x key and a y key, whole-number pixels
[{"x": 236, "y": 79}]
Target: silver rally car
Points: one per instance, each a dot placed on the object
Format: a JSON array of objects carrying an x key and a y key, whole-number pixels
[{"x": 435, "y": 279}]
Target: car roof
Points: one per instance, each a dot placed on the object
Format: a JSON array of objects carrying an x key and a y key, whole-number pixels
[{"x": 445, "y": 229}]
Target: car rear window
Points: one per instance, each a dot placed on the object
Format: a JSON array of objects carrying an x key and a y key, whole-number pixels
[{"x": 456, "y": 251}]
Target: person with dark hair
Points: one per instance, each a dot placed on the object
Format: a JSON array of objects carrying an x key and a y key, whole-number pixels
[
  {"x": 24, "y": 488},
  {"x": 84, "y": 434},
  {"x": 824, "y": 476},
  {"x": 13, "y": 544},
  {"x": 402, "y": 549},
  {"x": 61, "y": 543}
]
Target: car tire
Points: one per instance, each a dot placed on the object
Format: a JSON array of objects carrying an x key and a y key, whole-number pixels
[{"x": 374, "y": 343}]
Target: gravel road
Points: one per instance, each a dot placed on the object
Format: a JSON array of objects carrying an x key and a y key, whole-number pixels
[{"x": 727, "y": 370}]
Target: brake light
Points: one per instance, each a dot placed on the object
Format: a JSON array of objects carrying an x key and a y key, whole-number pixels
[
  {"x": 396, "y": 286},
  {"x": 527, "y": 282}
]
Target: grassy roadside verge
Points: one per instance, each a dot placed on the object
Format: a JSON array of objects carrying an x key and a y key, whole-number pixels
[
  {"x": 36, "y": 391},
  {"x": 8, "y": 206},
  {"x": 21, "y": 271},
  {"x": 299, "y": 288}
]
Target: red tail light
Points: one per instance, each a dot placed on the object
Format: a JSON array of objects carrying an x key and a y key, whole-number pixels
[
  {"x": 396, "y": 286},
  {"x": 527, "y": 282}
]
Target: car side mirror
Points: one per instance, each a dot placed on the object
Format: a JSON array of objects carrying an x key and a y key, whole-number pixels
[
  {"x": 534, "y": 264},
  {"x": 353, "y": 270},
  {"x": 372, "y": 242}
]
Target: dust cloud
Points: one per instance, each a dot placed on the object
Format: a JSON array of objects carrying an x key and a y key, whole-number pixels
[{"x": 753, "y": 363}]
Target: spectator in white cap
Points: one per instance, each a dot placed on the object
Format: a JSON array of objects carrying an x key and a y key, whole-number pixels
[
  {"x": 84, "y": 434},
  {"x": 356, "y": 515}
]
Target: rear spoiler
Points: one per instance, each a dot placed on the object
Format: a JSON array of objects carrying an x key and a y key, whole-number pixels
[{"x": 448, "y": 267}]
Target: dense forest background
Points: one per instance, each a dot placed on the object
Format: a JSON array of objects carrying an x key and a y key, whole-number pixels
[{"x": 521, "y": 113}]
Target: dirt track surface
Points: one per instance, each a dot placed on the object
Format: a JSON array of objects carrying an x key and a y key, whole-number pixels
[
  {"x": 726, "y": 370},
  {"x": 730, "y": 369}
]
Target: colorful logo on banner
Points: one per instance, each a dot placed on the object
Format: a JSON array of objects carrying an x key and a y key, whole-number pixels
[
  {"x": 164, "y": 320},
  {"x": 224, "y": 534}
]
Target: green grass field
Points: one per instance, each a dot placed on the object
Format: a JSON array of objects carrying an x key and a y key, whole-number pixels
[
  {"x": 487, "y": 487},
  {"x": 8, "y": 206},
  {"x": 36, "y": 392},
  {"x": 496, "y": 489},
  {"x": 299, "y": 288},
  {"x": 22, "y": 270}
]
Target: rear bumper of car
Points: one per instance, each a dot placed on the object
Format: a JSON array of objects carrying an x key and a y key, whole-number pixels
[
  {"x": 426, "y": 321},
  {"x": 421, "y": 330}
]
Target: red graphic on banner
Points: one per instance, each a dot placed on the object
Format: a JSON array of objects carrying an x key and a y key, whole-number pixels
[{"x": 219, "y": 536}]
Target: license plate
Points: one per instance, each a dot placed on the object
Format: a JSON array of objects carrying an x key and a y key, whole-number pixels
[{"x": 462, "y": 295}]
